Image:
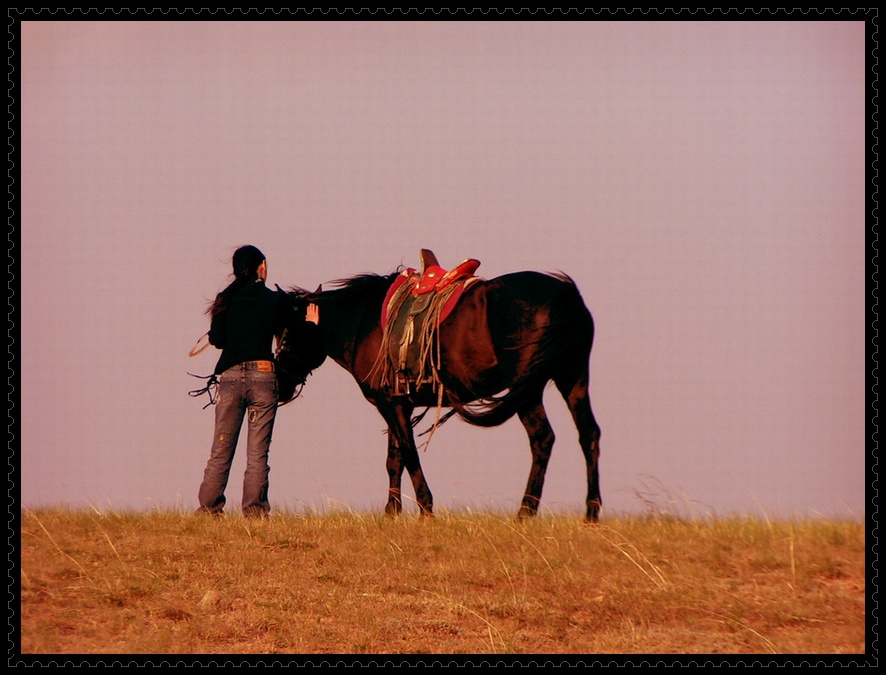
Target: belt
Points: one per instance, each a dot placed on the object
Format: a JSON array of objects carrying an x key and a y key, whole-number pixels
[{"x": 261, "y": 366}]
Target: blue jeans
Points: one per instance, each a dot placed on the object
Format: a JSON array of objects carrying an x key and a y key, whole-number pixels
[{"x": 243, "y": 391}]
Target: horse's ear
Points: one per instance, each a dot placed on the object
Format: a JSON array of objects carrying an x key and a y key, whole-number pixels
[{"x": 319, "y": 289}]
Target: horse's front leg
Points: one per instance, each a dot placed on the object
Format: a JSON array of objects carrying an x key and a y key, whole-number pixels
[
  {"x": 395, "y": 475},
  {"x": 403, "y": 454}
]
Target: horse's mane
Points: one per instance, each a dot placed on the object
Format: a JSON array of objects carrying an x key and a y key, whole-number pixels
[
  {"x": 356, "y": 286},
  {"x": 361, "y": 283}
]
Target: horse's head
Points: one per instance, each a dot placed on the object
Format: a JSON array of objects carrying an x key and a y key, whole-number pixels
[{"x": 299, "y": 346}]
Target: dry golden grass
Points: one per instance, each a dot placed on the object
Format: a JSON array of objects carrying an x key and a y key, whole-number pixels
[{"x": 460, "y": 583}]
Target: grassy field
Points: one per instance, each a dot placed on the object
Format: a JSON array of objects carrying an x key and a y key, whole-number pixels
[{"x": 459, "y": 583}]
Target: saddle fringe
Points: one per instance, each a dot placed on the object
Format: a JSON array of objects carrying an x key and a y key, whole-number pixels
[{"x": 385, "y": 370}]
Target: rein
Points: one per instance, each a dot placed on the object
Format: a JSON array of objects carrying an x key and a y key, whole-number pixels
[
  {"x": 211, "y": 388},
  {"x": 299, "y": 378}
]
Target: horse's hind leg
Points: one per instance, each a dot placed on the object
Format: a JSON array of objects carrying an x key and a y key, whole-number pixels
[
  {"x": 541, "y": 440},
  {"x": 579, "y": 401}
]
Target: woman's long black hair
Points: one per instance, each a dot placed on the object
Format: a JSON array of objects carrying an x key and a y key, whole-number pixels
[{"x": 245, "y": 261}]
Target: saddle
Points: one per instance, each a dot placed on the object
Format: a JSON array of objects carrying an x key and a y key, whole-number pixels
[
  {"x": 432, "y": 278},
  {"x": 416, "y": 304}
]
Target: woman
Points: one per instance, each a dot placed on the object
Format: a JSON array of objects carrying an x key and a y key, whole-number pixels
[{"x": 244, "y": 318}]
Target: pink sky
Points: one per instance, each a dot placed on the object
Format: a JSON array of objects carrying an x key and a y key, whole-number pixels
[{"x": 703, "y": 182}]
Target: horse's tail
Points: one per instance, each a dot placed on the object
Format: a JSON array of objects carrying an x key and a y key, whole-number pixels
[
  {"x": 564, "y": 344},
  {"x": 494, "y": 411}
]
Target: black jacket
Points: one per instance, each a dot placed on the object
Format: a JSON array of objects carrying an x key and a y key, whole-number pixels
[{"x": 245, "y": 329}]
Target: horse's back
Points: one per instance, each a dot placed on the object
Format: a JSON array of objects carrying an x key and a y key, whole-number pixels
[
  {"x": 538, "y": 322},
  {"x": 532, "y": 300}
]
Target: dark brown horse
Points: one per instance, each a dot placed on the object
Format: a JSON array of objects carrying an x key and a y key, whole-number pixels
[{"x": 505, "y": 340}]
